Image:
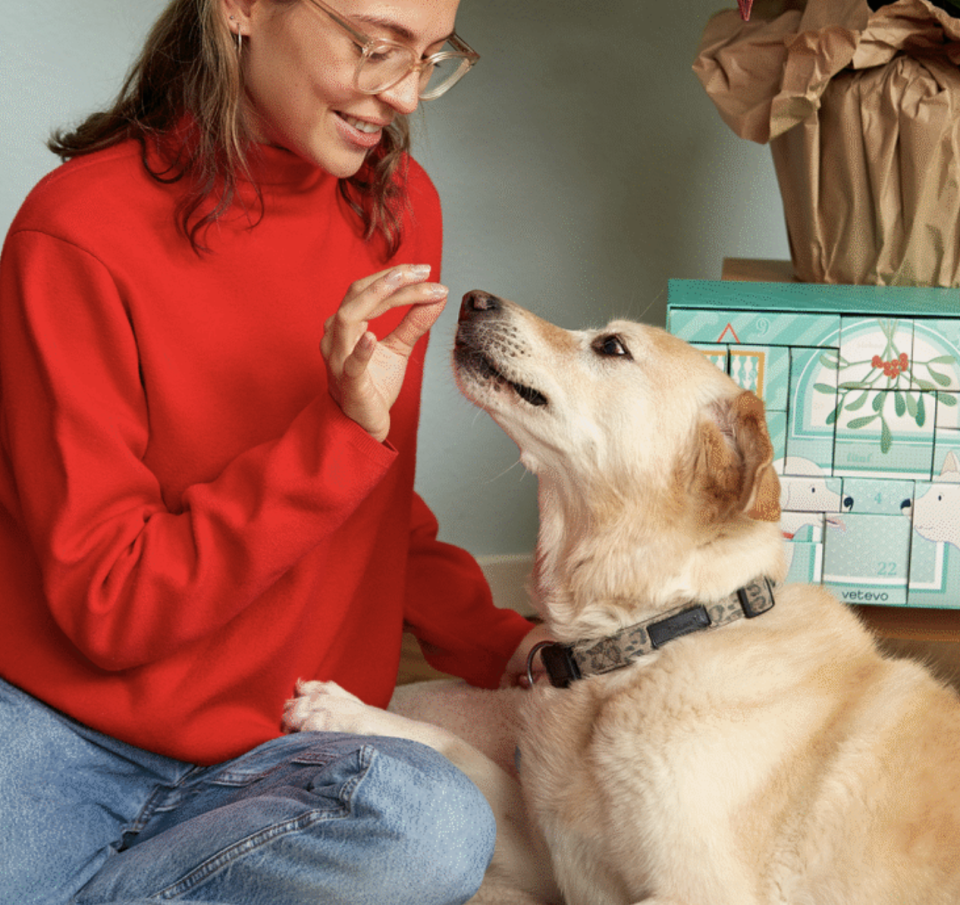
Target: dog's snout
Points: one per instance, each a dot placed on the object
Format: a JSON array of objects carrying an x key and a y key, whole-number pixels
[{"x": 479, "y": 302}]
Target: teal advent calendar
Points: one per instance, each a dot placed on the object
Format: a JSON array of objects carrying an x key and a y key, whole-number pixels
[{"x": 861, "y": 386}]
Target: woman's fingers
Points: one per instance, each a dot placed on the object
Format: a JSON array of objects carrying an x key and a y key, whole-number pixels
[
  {"x": 365, "y": 375},
  {"x": 373, "y": 296},
  {"x": 416, "y": 322}
]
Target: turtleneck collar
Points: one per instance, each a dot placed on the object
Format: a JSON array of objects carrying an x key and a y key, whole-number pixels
[
  {"x": 272, "y": 167},
  {"x": 269, "y": 167}
]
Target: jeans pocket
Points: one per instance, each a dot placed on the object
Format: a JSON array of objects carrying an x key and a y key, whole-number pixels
[
  {"x": 316, "y": 757},
  {"x": 265, "y": 761}
]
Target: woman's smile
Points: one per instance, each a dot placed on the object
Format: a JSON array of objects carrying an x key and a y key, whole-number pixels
[{"x": 363, "y": 133}]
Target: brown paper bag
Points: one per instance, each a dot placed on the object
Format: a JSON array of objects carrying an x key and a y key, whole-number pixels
[{"x": 862, "y": 113}]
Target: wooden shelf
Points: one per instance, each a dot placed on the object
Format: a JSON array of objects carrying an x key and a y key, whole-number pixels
[
  {"x": 756, "y": 270},
  {"x": 930, "y": 636},
  {"x": 906, "y": 624}
]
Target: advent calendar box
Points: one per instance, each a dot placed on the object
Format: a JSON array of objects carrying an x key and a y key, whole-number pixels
[{"x": 862, "y": 389}]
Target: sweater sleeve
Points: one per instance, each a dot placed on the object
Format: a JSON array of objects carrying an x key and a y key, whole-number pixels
[
  {"x": 114, "y": 559},
  {"x": 450, "y": 609}
]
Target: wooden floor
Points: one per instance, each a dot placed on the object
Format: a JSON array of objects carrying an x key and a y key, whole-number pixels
[{"x": 413, "y": 666}]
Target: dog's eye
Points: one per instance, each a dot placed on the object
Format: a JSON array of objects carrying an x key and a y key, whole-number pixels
[{"x": 611, "y": 346}]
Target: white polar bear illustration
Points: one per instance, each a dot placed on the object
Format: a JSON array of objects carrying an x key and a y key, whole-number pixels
[
  {"x": 806, "y": 499},
  {"x": 805, "y": 496},
  {"x": 936, "y": 515}
]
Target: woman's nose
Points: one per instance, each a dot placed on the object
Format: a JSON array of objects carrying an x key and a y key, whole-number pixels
[{"x": 404, "y": 97}]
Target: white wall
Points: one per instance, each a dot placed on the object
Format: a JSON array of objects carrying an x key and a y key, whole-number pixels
[{"x": 581, "y": 166}]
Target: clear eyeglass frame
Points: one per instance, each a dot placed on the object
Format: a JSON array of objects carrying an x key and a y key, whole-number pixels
[{"x": 384, "y": 63}]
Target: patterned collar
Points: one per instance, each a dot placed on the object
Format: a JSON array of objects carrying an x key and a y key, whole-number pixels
[{"x": 566, "y": 663}]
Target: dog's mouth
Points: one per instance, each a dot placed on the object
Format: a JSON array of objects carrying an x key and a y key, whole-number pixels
[
  {"x": 527, "y": 394},
  {"x": 480, "y": 365}
]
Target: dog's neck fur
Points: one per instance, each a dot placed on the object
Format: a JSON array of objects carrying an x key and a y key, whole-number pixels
[{"x": 599, "y": 572}]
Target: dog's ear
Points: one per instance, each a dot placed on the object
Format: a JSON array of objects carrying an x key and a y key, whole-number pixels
[{"x": 734, "y": 470}]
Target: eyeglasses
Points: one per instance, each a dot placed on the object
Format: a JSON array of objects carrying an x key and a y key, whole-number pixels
[{"x": 384, "y": 63}]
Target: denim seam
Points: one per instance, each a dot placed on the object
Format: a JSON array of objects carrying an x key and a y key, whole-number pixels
[
  {"x": 204, "y": 871},
  {"x": 160, "y": 800},
  {"x": 238, "y": 779}
]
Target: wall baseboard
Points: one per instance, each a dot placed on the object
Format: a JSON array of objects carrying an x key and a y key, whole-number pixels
[{"x": 508, "y": 576}]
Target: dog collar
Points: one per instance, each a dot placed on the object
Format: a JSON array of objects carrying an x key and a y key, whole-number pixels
[{"x": 566, "y": 663}]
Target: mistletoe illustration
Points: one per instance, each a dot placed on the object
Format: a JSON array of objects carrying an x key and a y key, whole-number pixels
[{"x": 890, "y": 375}]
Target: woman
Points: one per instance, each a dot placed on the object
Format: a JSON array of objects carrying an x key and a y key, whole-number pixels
[{"x": 198, "y": 506}]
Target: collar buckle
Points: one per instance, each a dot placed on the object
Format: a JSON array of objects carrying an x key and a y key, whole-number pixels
[
  {"x": 756, "y": 598},
  {"x": 560, "y": 664}
]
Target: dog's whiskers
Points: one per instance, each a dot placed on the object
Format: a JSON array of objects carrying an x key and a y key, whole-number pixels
[
  {"x": 507, "y": 471},
  {"x": 653, "y": 302}
]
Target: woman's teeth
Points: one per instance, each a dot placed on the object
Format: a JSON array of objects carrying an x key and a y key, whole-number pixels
[{"x": 360, "y": 124}]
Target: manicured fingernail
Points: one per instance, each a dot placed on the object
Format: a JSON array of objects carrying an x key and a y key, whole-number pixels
[
  {"x": 437, "y": 291},
  {"x": 420, "y": 271}
]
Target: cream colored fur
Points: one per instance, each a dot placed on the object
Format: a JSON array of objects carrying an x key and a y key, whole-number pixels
[{"x": 774, "y": 761}]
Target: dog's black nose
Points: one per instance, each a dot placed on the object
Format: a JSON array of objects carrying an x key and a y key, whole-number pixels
[{"x": 479, "y": 302}]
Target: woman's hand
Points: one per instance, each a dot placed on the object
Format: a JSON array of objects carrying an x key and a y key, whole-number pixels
[{"x": 365, "y": 374}]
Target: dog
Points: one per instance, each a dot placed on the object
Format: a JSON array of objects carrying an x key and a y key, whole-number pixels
[{"x": 708, "y": 735}]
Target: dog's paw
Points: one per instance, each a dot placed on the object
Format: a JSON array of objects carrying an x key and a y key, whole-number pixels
[
  {"x": 325, "y": 690},
  {"x": 326, "y": 707}
]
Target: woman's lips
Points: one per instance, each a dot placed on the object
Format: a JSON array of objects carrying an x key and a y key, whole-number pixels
[{"x": 360, "y": 132}]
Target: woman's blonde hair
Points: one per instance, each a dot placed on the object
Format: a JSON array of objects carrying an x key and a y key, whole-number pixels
[{"x": 188, "y": 77}]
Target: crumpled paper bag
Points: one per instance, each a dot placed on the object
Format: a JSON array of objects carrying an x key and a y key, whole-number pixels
[{"x": 862, "y": 113}]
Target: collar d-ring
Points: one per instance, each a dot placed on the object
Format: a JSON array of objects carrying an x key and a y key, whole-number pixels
[{"x": 533, "y": 652}]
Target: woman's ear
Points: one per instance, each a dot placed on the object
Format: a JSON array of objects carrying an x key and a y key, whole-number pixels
[{"x": 237, "y": 14}]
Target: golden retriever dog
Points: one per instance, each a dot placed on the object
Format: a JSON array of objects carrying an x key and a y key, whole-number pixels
[{"x": 708, "y": 735}]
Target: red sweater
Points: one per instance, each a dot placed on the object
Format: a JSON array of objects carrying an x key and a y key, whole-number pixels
[{"x": 188, "y": 523}]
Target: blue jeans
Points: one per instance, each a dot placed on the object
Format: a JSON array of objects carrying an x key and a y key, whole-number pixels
[{"x": 318, "y": 818}]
